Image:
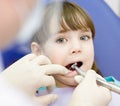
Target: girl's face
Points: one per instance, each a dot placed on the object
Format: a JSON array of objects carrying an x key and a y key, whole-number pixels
[{"x": 70, "y": 47}]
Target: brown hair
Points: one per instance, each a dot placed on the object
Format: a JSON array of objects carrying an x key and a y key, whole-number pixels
[
  {"x": 94, "y": 67},
  {"x": 70, "y": 17},
  {"x": 73, "y": 17}
]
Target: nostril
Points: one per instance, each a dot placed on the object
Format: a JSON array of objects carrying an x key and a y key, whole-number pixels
[{"x": 76, "y": 51}]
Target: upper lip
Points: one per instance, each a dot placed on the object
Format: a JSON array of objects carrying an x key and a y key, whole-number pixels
[{"x": 79, "y": 64}]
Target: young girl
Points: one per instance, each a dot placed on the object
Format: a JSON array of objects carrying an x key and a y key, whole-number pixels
[{"x": 66, "y": 38}]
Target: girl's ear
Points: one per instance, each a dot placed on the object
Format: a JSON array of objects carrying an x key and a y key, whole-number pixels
[{"x": 35, "y": 48}]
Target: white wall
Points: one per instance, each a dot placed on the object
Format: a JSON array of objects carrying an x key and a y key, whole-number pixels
[{"x": 115, "y": 5}]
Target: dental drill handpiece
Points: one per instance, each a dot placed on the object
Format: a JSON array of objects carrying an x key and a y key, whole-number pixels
[{"x": 100, "y": 81}]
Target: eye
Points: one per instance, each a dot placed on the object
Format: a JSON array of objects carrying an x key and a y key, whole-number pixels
[
  {"x": 85, "y": 37},
  {"x": 61, "y": 40}
]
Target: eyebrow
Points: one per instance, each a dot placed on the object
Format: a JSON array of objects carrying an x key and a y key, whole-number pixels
[{"x": 61, "y": 31}]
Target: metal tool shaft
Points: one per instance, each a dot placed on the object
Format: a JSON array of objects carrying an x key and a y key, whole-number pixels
[{"x": 100, "y": 81}]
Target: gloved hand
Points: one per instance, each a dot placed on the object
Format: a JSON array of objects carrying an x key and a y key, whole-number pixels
[
  {"x": 32, "y": 72},
  {"x": 88, "y": 93}
]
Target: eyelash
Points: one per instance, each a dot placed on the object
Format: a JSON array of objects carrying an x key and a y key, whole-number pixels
[
  {"x": 61, "y": 40},
  {"x": 85, "y": 37}
]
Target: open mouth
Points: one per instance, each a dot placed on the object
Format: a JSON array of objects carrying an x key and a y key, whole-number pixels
[{"x": 78, "y": 64}]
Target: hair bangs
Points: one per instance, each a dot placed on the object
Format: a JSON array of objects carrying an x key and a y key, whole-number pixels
[
  {"x": 74, "y": 23},
  {"x": 75, "y": 18}
]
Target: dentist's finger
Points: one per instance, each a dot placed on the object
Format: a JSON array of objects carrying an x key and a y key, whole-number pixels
[
  {"x": 41, "y": 60},
  {"x": 52, "y": 69},
  {"x": 78, "y": 78},
  {"x": 90, "y": 77},
  {"x": 46, "y": 100},
  {"x": 51, "y": 85},
  {"x": 45, "y": 81},
  {"x": 106, "y": 92},
  {"x": 29, "y": 57}
]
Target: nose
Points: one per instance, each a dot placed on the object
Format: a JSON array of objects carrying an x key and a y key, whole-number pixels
[{"x": 76, "y": 48}]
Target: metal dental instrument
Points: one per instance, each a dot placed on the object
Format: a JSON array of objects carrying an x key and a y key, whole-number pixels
[{"x": 100, "y": 81}]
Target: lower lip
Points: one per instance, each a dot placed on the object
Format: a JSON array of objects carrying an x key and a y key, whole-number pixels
[{"x": 71, "y": 73}]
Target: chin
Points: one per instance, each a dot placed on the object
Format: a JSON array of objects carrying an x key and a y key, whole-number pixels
[
  {"x": 73, "y": 85},
  {"x": 65, "y": 81}
]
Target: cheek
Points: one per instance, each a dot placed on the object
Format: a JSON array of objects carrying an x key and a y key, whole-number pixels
[
  {"x": 89, "y": 57},
  {"x": 91, "y": 53},
  {"x": 55, "y": 54},
  {"x": 91, "y": 50}
]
